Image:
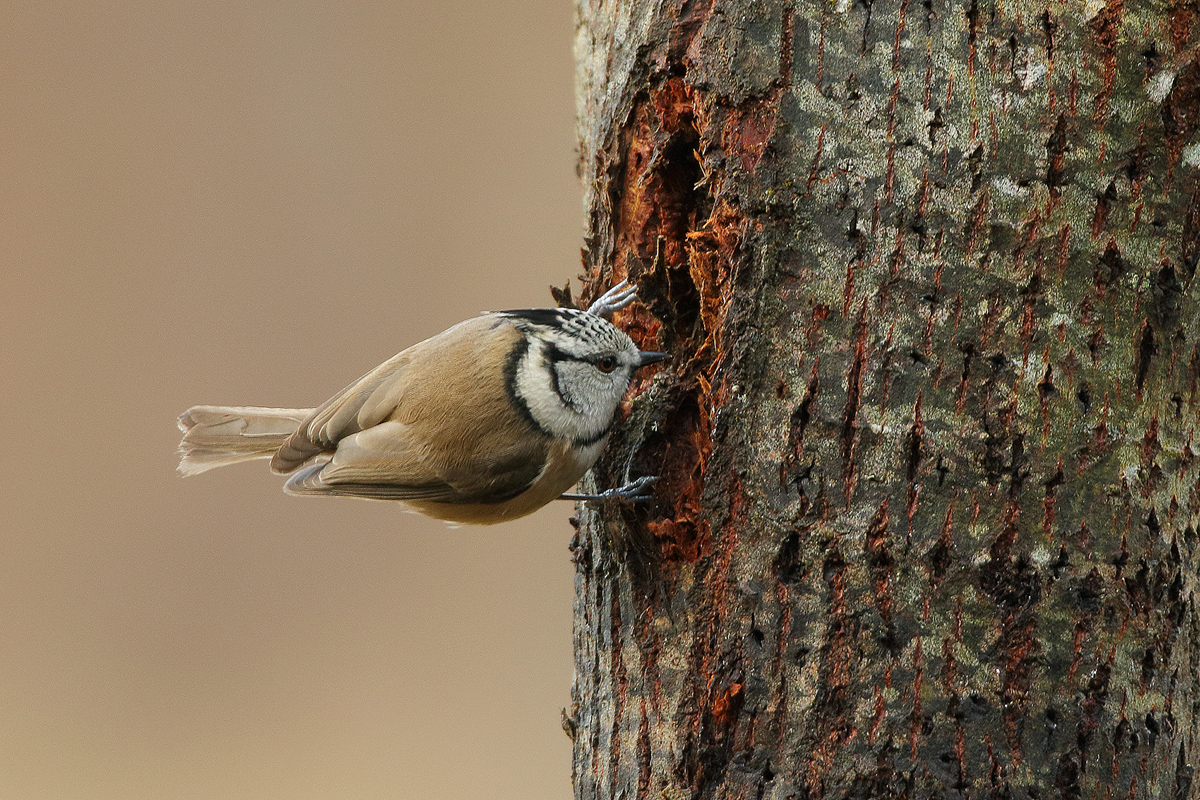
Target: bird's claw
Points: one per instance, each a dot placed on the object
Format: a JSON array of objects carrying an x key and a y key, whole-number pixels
[
  {"x": 614, "y": 299},
  {"x": 637, "y": 491}
]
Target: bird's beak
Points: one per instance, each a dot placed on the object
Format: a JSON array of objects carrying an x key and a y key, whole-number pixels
[{"x": 651, "y": 357}]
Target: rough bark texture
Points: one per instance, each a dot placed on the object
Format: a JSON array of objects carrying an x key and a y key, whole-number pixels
[{"x": 927, "y": 524}]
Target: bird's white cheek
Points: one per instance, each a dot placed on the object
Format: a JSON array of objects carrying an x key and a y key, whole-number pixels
[{"x": 586, "y": 456}]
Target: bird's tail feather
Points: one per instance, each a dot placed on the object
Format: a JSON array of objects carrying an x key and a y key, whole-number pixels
[{"x": 215, "y": 436}]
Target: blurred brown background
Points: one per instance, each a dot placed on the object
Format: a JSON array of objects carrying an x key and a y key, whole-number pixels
[{"x": 256, "y": 203}]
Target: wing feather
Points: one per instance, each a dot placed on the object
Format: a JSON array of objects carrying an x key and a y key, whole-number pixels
[
  {"x": 360, "y": 405},
  {"x": 309, "y": 481},
  {"x": 392, "y": 455}
]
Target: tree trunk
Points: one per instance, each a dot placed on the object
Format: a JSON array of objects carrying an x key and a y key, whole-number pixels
[{"x": 927, "y": 523}]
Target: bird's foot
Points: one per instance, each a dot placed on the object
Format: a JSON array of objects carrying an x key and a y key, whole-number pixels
[
  {"x": 614, "y": 299},
  {"x": 637, "y": 491}
]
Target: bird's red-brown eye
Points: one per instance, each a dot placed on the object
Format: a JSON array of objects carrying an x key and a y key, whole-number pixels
[{"x": 606, "y": 364}]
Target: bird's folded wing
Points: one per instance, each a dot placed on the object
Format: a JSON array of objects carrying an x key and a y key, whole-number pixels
[
  {"x": 394, "y": 460},
  {"x": 311, "y": 481},
  {"x": 360, "y": 405}
]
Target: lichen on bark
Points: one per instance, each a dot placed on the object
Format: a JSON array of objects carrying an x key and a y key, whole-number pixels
[{"x": 927, "y": 523}]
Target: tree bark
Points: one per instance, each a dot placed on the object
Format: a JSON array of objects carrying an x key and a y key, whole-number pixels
[{"x": 927, "y": 523}]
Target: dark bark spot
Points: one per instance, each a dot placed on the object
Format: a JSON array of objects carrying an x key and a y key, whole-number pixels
[
  {"x": 1120, "y": 734},
  {"x": 1121, "y": 558},
  {"x": 1144, "y": 589},
  {"x": 975, "y": 161},
  {"x": 1062, "y": 562},
  {"x": 1094, "y": 696},
  {"x": 1183, "y": 777},
  {"x": 1153, "y": 727},
  {"x": 1049, "y": 27},
  {"x": 878, "y": 554},
  {"x": 833, "y": 567},
  {"x": 939, "y": 557},
  {"x": 1067, "y": 779},
  {"x": 1104, "y": 204},
  {"x": 993, "y": 460},
  {"x": 935, "y": 125},
  {"x": 1146, "y": 351},
  {"x": 942, "y": 471},
  {"x": 1151, "y": 60},
  {"x": 912, "y": 457},
  {"x": 1108, "y": 269},
  {"x": 1056, "y": 149},
  {"x": 866, "y": 30},
  {"x": 968, "y": 351},
  {"x": 803, "y": 414},
  {"x": 1017, "y": 471},
  {"x": 1165, "y": 298},
  {"x": 1084, "y": 395},
  {"x": 1148, "y": 667},
  {"x": 1135, "y": 167},
  {"x": 1013, "y": 584},
  {"x": 1151, "y": 446},
  {"x": 853, "y": 402},
  {"x": 1096, "y": 344},
  {"x": 1033, "y": 287},
  {"x": 789, "y": 568},
  {"x": 1046, "y": 385},
  {"x": 1175, "y": 590},
  {"x": 1087, "y": 591}
]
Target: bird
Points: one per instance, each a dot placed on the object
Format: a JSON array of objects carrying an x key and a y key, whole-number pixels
[{"x": 484, "y": 422}]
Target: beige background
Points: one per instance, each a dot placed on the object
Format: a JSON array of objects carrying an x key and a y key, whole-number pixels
[{"x": 256, "y": 203}]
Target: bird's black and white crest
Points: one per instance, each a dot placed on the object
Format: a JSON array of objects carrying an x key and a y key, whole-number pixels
[
  {"x": 569, "y": 371},
  {"x": 569, "y": 327}
]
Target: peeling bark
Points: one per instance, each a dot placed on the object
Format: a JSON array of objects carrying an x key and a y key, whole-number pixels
[{"x": 927, "y": 523}]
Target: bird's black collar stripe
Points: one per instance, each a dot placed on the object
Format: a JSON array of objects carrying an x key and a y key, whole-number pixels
[
  {"x": 511, "y": 368},
  {"x": 591, "y": 440}
]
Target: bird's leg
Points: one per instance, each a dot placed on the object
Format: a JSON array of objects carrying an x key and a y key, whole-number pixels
[
  {"x": 614, "y": 299},
  {"x": 637, "y": 491}
]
